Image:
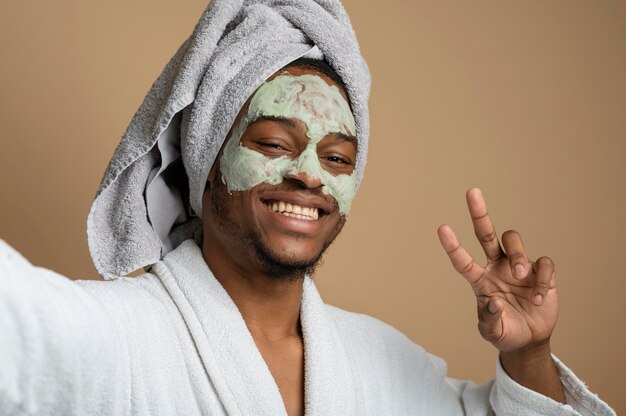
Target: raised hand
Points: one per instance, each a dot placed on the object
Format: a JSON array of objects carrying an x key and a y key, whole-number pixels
[{"x": 517, "y": 298}]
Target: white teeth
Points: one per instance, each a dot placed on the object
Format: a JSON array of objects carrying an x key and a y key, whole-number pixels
[
  {"x": 295, "y": 211},
  {"x": 302, "y": 217}
]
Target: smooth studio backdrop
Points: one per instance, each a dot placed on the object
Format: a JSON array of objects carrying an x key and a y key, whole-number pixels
[{"x": 524, "y": 99}]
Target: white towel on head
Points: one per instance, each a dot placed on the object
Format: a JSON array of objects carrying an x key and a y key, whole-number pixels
[{"x": 173, "y": 139}]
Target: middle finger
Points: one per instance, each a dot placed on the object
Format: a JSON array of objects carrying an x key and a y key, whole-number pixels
[{"x": 483, "y": 228}]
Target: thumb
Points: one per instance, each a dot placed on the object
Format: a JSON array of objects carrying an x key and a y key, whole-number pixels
[{"x": 489, "y": 318}]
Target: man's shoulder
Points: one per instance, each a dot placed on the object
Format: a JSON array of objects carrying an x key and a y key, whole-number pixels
[
  {"x": 363, "y": 328},
  {"x": 358, "y": 321},
  {"x": 384, "y": 350},
  {"x": 127, "y": 293}
]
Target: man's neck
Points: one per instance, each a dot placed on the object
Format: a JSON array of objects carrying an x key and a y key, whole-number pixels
[{"x": 269, "y": 306}]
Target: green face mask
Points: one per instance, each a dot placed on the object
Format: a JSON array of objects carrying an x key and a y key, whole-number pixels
[{"x": 321, "y": 108}]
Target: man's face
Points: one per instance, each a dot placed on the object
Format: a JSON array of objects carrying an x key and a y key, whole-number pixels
[{"x": 304, "y": 160}]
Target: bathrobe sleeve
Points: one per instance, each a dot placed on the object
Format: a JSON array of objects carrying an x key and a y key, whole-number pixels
[
  {"x": 56, "y": 346},
  {"x": 503, "y": 396}
]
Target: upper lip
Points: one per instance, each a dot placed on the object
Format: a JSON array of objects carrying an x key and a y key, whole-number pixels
[{"x": 303, "y": 200}]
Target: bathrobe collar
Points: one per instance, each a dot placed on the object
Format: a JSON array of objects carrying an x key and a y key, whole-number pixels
[{"x": 234, "y": 364}]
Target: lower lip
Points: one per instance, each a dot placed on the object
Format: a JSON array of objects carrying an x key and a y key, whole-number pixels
[{"x": 295, "y": 224}]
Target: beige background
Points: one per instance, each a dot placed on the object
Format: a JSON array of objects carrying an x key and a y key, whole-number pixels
[{"x": 525, "y": 99}]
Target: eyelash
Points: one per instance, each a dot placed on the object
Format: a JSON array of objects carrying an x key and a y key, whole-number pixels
[
  {"x": 275, "y": 146},
  {"x": 337, "y": 159}
]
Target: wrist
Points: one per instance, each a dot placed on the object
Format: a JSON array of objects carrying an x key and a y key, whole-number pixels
[
  {"x": 531, "y": 355},
  {"x": 533, "y": 367},
  {"x": 529, "y": 362}
]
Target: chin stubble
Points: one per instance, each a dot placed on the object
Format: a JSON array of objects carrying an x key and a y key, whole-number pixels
[
  {"x": 279, "y": 269},
  {"x": 274, "y": 266}
]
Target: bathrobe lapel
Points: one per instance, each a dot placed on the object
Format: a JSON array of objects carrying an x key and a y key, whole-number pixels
[
  {"x": 234, "y": 364},
  {"x": 329, "y": 382}
]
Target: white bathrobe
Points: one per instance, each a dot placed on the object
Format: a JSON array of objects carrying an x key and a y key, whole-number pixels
[{"x": 172, "y": 342}]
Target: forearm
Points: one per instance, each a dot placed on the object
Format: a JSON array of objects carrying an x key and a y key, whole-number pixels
[
  {"x": 534, "y": 369},
  {"x": 56, "y": 341}
]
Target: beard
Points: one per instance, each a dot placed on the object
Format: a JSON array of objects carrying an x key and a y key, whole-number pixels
[
  {"x": 278, "y": 268},
  {"x": 274, "y": 266}
]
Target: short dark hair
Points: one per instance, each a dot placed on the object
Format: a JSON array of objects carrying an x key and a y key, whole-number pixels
[{"x": 322, "y": 66}]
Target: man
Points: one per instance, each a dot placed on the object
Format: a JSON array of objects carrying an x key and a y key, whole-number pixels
[
  {"x": 260, "y": 256},
  {"x": 236, "y": 326}
]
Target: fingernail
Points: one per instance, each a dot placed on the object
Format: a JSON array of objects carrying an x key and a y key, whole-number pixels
[
  {"x": 538, "y": 299},
  {"x": 493, "y": 308},
  {"x": 520, "y": 270}
]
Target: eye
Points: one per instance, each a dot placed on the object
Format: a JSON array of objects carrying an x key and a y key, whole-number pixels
[
  {"x": 337, "y": 164},
  {"x": 338, "y": 160},
  {"x": 273, "y": 146},
  {"x": 337, "y": 154}
]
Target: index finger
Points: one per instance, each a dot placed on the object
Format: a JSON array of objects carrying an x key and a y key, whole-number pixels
[
  {"x": 460, "y": 259},
  {"x": 483, "y": 228}
]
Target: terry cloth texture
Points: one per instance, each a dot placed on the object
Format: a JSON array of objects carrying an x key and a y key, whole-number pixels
[
  {"x": 173, "y": 342},
  {"x": 150, "y": 197}
]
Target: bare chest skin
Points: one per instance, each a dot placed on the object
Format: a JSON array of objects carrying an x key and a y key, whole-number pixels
[{"x": 285, "y": 359}]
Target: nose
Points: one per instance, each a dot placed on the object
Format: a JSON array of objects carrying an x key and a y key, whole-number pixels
[{"x": 304, "y": 179}]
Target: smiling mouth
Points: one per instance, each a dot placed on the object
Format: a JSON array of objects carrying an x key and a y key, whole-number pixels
[{"x": 295, "y": 211}]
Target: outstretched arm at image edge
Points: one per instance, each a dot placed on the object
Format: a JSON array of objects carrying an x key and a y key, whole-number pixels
[{"x": 53, "y": 335}]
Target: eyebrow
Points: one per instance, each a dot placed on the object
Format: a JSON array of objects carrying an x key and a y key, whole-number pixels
[
  {"x": 294, "y": 125},
  {"x": 345, "y": 137}
]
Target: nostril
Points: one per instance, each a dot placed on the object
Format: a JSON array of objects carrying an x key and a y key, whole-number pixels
[{"x": 305, "y": 179}]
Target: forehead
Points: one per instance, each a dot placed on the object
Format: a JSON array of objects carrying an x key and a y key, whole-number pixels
[
  {"x": 298, "y": 70},
  {"x": 294, "y": 71}
]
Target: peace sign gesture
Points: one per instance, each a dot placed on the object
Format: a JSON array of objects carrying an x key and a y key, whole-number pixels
[{"x": 517, "y": 298}]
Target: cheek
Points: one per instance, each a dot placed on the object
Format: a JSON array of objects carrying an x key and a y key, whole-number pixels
[
  {"x": 342, "y": 188},
  {"x": 243, "y": 168},
  {"x": 219, "y": 202}
]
